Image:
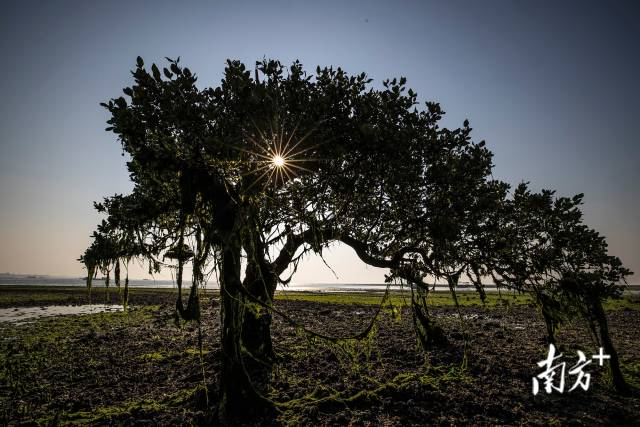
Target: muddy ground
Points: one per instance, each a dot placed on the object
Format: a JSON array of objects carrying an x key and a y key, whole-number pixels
[{"x": 141, "y": 368}]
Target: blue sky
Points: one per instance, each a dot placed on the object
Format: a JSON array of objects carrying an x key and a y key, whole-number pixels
[{"x": 551, "y": 86}]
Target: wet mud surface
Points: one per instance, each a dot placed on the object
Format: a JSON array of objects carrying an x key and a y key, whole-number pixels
[{"x": 140, "y": 368}]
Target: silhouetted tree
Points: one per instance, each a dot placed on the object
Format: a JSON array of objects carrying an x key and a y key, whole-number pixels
[
  {"x": 550, "y": 253},
  {"x": 259, "y": 171}
]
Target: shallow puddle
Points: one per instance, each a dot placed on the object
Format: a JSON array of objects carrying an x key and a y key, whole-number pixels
[{"x": 25, "y": 314}]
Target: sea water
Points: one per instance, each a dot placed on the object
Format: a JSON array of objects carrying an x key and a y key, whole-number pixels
[{"x": 19, "y": 315}]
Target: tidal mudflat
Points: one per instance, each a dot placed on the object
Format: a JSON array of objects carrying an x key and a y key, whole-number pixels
[{"x": 141, "y": 368}]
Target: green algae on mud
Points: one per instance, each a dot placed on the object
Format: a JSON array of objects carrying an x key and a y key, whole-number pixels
[
  {"x": 144, "y": 408},
  {"x": 140, "y": 367}
]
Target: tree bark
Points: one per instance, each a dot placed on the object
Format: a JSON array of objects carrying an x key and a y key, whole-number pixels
[
  {"x": 246, "y": 343},
  {"x": 235, "y": 387},
  {"x": 614, "y": 363},
  {"x": 260, "y": 283},
  {"x": 429, "y": 334}
]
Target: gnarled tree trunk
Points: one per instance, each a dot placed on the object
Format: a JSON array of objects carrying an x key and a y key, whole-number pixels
[
  {"x": 614, "y": 363},
  {"x": 429, "y": 334},
  {"x": 247, "y": 353},
  {"x": 259, "y": 284}
]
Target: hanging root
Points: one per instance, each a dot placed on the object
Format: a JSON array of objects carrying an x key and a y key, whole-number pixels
[
  {"x": 125, "y": 294},
  {"x": 116, "y": 274},
  {"x": 91, "y": 270},
  {"x": 551, "y": 311}
]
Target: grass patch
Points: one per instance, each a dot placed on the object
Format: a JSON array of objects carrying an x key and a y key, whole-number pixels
[
  {"x": 439, "y": 299},
  {"x": 628, "y": 301},
  {"x": 404, "y": 298},
  {"x": 31, "y": 298}
]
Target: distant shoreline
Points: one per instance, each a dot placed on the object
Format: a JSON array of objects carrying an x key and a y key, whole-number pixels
[{"x": 34, "y": 284}]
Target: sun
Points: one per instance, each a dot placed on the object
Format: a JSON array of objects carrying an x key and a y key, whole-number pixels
[
  {"x": 276, "y": 156},
  {"x": 278, "y": 161}
]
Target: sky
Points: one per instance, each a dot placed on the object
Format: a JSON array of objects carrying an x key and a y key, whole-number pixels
[{"x": 552, "y": 86}]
